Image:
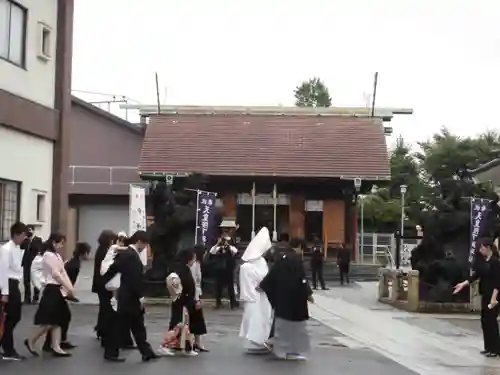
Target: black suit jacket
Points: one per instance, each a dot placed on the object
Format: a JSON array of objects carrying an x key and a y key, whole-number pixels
[
  {"x": 97, "y": 284},
  {"x": 31, "y": 246},
  {"x": 128, "y": 264}
]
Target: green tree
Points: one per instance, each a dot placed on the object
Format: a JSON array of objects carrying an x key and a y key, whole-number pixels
[
  {"x": 445, "y": 153},
  {"x": 312, "y": 93},
  {"x": 383, "y": 208}
]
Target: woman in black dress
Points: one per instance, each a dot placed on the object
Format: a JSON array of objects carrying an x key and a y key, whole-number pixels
[
  {"x": 197, "y": 320},
  {"x": 53, "y": 308}
]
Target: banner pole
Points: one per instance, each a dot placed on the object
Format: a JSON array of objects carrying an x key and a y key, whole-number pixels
[{"x": 197, "y": 217}]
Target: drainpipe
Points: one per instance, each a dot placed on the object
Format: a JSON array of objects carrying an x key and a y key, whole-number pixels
[{"x": 253, "y": 210}]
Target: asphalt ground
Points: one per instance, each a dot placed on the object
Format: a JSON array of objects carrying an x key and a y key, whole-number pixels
[{"x": 329, "y": 355}]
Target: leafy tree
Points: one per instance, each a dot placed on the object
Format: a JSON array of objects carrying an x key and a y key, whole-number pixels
[
  {"x": 312, "y": 93},
  {"x": 383, "y": 209},
  {"x": 445, "y": 153}
]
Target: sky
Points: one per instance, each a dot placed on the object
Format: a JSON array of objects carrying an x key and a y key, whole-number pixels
[{"x": 439, "y": 57}]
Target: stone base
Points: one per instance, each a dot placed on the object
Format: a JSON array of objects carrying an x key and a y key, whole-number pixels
[{"x": 401, "y": 290}]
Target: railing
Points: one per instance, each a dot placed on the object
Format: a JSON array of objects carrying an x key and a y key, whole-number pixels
[
  {"x": 104, "y": 175},
  {"x": 380, "y": 248}
]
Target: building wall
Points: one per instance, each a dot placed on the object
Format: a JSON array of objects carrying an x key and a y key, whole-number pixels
[
  {"x": 105, "y": 152},
  {"x": 94, "y": 218},
  {"x": 35, "y": 82},
  {"x": 29, "y": 160},
  {"x": 334, "y": 213}
]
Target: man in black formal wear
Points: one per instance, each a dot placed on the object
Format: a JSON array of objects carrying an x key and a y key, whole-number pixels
[
  {"x": 317, "y": 264},
  {"x": 31, "y": 246},
  {"x": 130, "y": 310},
  {"x": 106, "y": 239}
]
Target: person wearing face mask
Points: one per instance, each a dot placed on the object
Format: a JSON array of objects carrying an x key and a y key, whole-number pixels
[
  {"x": 130, "y": 309},
  {"x": 11, "y": 273}
]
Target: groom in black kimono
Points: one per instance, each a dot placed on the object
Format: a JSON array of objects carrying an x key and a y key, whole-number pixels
[
  {"x": 130, "y": 299},
  {"x": 288, "y": 291}
]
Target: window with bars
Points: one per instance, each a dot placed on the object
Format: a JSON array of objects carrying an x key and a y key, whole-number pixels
[{"x": 10, "y": 199}]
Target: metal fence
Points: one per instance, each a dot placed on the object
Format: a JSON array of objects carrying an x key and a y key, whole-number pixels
[
  {"x": 380, "y": 248},
  {"x": 104, "y": 175}
]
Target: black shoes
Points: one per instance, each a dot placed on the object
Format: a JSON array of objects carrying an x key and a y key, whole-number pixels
[
  {"x": 66, "y": 345},
  {"x": 12, "y": 357},
  {"x": 60, "y": 354},
  {"x": 149, "y": 357},
  {"x": 32, "y": 351},
  {"x": 489, "y": 354},
  {"x": 200, "y": 349},
  {"x": 114, "y": 359}
]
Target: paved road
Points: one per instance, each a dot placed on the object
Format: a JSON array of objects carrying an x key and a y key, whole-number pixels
[{"x": 329, "y": 355}]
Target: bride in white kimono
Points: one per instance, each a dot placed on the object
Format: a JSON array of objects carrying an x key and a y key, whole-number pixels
[{"x": 257, "y": 315}]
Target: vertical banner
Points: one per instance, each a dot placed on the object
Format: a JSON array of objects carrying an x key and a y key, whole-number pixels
[
  {"x": 137, "y": 215},
  {"x": 478, "y": 210},
  {"x": 205, "y": 217}
]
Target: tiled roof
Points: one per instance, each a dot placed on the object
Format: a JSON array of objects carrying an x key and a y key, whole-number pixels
[{"x": 266, "y": 145}]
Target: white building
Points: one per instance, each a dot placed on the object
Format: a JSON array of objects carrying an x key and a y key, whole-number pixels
[{"x": 33, "y": 88}]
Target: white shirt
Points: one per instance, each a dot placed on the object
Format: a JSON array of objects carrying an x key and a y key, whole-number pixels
[
  {"x": 11, "y": 256},
  {"x": 37, "y": 275},
  {"x": 54, "y": 272}
]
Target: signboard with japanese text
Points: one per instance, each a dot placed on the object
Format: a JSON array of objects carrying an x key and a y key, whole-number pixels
[
  {"x": 205, "y": 217},
  {"x": 137, "y": 215},
  {"x": 478, "y": 210}
]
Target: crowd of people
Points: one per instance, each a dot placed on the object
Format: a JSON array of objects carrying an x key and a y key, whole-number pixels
[
  {"x": 38, "y": 264},
  {"x": 274, "y": 296}
]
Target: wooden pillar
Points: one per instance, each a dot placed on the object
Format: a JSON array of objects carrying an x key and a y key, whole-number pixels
[
  {"x": 297, "y": 216},
  {"x": 71, "y": 234},
  {"x": 229, "y": 205},
  {"x": 333, "y": 222}
]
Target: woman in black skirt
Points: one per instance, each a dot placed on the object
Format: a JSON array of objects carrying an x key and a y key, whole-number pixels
[
  {"x": 196, "y": 319},
  {"x": 53, "y": 307}
]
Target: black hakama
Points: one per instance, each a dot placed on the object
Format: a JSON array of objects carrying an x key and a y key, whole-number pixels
[{"x": 197, "y": 324}]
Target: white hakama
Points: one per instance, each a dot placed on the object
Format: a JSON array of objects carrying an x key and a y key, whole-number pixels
[{"x": 257, "y": 314}]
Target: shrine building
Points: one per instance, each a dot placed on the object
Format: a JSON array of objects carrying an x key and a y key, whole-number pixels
[{"x": 294, "y": 170}]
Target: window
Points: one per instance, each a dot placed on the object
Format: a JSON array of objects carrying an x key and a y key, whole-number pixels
[
  {"x": 10, "y": 199},
  {"x": 40, "y": 207},
  {"x": 13, "y": 32},
  {"x": 45, "y": 41}
]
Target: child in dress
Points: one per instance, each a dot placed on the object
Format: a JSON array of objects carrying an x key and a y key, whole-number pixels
[{"x": 178, "y": 340}]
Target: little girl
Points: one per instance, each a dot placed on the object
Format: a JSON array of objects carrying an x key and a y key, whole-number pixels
[
  {"x": 178, "y": 340},
  {"x": 114, "y": 283}
]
